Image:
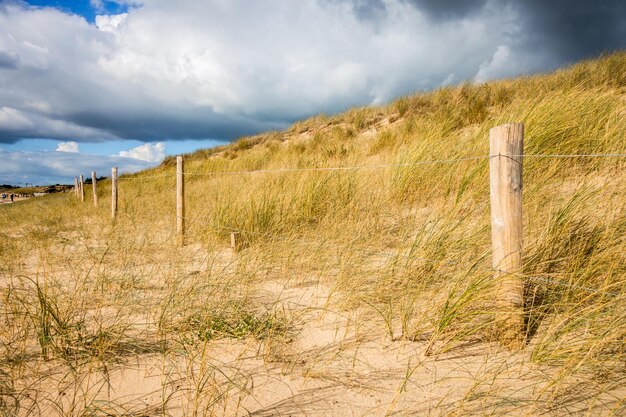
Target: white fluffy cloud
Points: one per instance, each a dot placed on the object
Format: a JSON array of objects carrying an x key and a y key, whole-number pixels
[
  {"x": 147, "y": 152},
  {"x": 214, "y": 68},
  {"x": 110, "y": 23},
  {"x": 68, "y": 147}
]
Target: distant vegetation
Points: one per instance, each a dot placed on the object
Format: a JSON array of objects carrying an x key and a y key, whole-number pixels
[
  {"x": 403, "y": 253},
  {"x": 35, "y": 189}
]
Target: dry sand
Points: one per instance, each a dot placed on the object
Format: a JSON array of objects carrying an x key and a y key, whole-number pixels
[{"x": 334, "y": 363}]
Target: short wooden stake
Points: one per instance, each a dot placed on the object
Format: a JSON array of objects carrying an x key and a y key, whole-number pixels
[
  {"x": 180, "y": 199},
  {"x": 82, "y": 189},
  {"x": 235, "y": 241},
  {"x": 93, "y": 186},
  {"x": 113, "y": 192},
  {"x": 76, "y": 186},
  {"x": 506, "y": 144}
]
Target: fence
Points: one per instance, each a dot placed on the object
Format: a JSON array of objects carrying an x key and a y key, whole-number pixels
[{"x": 506, "y": 143}]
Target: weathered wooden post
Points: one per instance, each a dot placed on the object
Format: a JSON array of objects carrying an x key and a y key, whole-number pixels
[
  {"x": 76, "y": 186},
  {"x": 180, "y": 199},
  {"x": 93, "y": 186},
  {"x": 82, "y": 189},
  {"x": 113, "y": 192},
  {"x": 506, "y": 144},
  {"x": 235, "y": 241}
]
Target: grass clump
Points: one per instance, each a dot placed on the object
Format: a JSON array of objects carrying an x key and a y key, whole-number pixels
[{"x": 239, "y": 323}]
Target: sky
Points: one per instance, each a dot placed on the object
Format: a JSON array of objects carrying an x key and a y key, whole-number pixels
[{"x": 90, "y": 84}]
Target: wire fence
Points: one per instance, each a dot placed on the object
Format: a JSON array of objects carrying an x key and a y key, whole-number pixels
[
  {"x": 538, "y": 278},
  {"x": 340, "y": 168},
  {"x": 142, "y": 178},
  {"x": 206, "y": 223},
  {"x": 400, "y": 165},
  {"x": 368, "y": 167}
]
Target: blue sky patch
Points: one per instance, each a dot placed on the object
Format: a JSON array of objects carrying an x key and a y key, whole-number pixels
[{"x": 84, "y": 8}]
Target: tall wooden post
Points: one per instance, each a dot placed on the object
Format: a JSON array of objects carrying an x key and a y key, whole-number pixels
[
  {"x": 180, "y": 199},
  {"x": 113, "y": 192},
  {"x": 76, "y": 186},
  {"x": 82, "y": 188},
  {"x": 506, "y": 144},
  {"x": 94, "y": 187}
]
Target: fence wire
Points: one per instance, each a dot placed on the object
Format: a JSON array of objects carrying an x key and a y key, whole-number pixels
[
  {"x": 341, "y": 168},
  {"x": 366, "y": 167},
  {"x": 409, "y": 257},
  {"x": 590, "y": 155},
  {"x": 232, "y": 229},
  {"x": 400, "y": 165},
  {"x": 555, "y": 282},
  {"x": 144, "y": 178}
]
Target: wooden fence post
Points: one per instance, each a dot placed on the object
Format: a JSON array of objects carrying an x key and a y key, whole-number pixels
[
  {"x": 506, "y": 144},
  {"x": 113, "y": 192},
  {"x": 93, "y": 185},
  {"x": 235, "y": 241},
  {"x": 82, "y": 189},
  {"x": 76, "y": 187},
  {"x": 180, "y": 199}
]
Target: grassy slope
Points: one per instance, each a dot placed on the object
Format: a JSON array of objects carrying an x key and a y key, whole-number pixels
[{"x": 407, "y": 247}]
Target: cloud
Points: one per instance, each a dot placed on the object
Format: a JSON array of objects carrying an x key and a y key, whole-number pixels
[
  {"x": 110, "y": 23},
  {"x": 8, "y": 60},
  {"x": 31, "y": 119},
  {"x": 498, "y": 65},
  {"x": 221, "y": 69},
  {"x": 574, "y": 29},
  {"x": 97, "y": 4},
  {"x": 67, "y": 147},
  {"x": 448, "y": 9},
  {"x": 147, "y": 152},
  {"x": 59, "y": 167},
  {"x": 11, "y": 119}
]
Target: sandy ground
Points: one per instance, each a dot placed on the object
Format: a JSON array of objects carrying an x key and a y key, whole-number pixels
[
  {"x": 15, "y": 199},
  {"x": 336, "y": 363}
]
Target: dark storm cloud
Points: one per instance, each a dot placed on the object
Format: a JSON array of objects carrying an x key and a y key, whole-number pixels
[
  {"x": 7, "y": 60},
  {"x": 369, "y": 9},
  {"x": 147, "y": 127},
  {"x": 574, "y": 29},
  {"x": 570, "y": 29},
  {"x": 153, "y": 127},
  {"x": 447, "y": 9}
]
